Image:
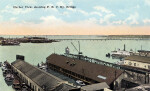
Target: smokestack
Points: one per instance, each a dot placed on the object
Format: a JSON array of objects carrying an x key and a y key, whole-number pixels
[{"x": 124, "y": 47}]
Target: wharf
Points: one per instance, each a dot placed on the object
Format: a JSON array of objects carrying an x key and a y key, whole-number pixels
[{"x": 97, "y": 61}]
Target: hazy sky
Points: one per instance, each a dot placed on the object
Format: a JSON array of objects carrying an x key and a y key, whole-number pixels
[{"x": 90, "y": 17}]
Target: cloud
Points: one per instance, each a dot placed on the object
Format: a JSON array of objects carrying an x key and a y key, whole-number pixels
[
  {"x": 117, "y": 22},
  {"x": 13, "y": 19},
  {"x": 96, "y": 13},
  {"x": 102, "y": 9},
  {"x": 132, "y": 18},
  {"x": 65, "y": 3},
  {"x": 52, "y": 21},
  {"x": 106, "y": 18},
  {"x": 146, "y": 21},
  {"x": 29, "y": 1},
  {"x": 147, "y": 2},
  {"x": 66, "y": 13},
  {"x": 15, "y": 11},
  {"x": 83, "y": 12},
  {"x": 60, "y": 3},
  {"x": 51, "y": 9}
]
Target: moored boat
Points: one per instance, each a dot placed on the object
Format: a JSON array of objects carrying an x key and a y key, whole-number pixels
[
  {"x": 10, "y": 42},
  {"x": 16, "y": 84},
  {"x": 9, "y": 79},
  {"x": 121, "y": 53}
]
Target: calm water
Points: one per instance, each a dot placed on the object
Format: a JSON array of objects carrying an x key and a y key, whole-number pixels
[{"x": 36, "y": 53}]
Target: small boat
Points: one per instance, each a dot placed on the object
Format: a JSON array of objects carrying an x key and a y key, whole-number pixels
[
  {"x": 43, "y": 67},
  {"x": 9, "y": 77},
  {"x": 24, "y": 88},
  {"x": 108, "y": 55},
  {"x": 16, "y": 84},
  {"x": 81, "y": 83}
]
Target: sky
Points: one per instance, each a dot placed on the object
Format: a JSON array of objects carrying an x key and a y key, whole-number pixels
[{"x": 88, "y": 17}]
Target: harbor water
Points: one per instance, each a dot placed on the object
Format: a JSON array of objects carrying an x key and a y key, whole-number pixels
[{"x": 37, "y": 52}]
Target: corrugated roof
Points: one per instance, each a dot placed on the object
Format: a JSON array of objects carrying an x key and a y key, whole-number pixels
[
  {"x": 95, "y": 87},
  {"x": 84, "y": 68},
  {"x": 40, "y": 77},
  {"x": 143, "y": 59},
  {"x": 146, "y": 51}
]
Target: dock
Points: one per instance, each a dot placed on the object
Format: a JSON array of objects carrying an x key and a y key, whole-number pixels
[{"x": 90, "y": 69}]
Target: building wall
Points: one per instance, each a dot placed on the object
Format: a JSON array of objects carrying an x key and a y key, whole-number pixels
[
  {"x": 117, "y": 83},
  {"x": 71, "y": 74},
  {"x": 28, "y": 81},
  {"x": 137, "y": 64},
  {"x": 144, "y": 54}
]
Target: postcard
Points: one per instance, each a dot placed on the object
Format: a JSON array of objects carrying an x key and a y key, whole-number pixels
[{"x": 67, "y": 45}]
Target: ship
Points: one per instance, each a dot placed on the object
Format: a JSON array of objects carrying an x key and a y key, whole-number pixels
[
  {"x": 10, "y": 42},
  {"x": 121, "y": 53}
]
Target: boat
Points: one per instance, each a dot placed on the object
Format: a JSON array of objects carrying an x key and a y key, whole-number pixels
[
  {"x": 81, "y": 83},
  {"x": 43, "y": 67},
  {"x": 121, "y": 53},
  {"x": 9, "y": 79},
  {"x": 10, "y": 42},
  {"x": 16, "y": 85},
  {"x": 24, "y": 87}
]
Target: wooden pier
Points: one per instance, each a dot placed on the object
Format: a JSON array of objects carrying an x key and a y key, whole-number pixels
[{"x": 122, "y": 67}]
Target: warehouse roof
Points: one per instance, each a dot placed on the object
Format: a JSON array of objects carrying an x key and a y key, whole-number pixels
[
  {"x": 146, "y": 51},
  {"x": 143, "y": 59},
  {"x": 97, "y": 72},
  {"x": 95, "y": 87},
  {"x": 38, "y": 76}
]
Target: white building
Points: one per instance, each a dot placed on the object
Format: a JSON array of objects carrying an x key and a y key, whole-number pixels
[{"x": 138, "y": 61}]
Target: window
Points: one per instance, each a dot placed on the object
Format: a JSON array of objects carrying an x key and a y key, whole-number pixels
[
  {"x": 148, "y": 66},
  {"x": 130, "y": 63},
  {"x": 134, "y": 64}
]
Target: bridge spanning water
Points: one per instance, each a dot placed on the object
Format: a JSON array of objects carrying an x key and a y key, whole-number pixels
[{"x": 105, "y": 39}]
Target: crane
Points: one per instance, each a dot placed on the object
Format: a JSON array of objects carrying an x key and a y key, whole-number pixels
[{"x": 79, "y": 52}]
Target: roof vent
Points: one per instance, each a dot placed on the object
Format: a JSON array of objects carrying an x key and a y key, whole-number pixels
[
  {"x": 67, "y": 62},
  {"x": 72, "y": 64},
  {"x": 102, "y": 77}
]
